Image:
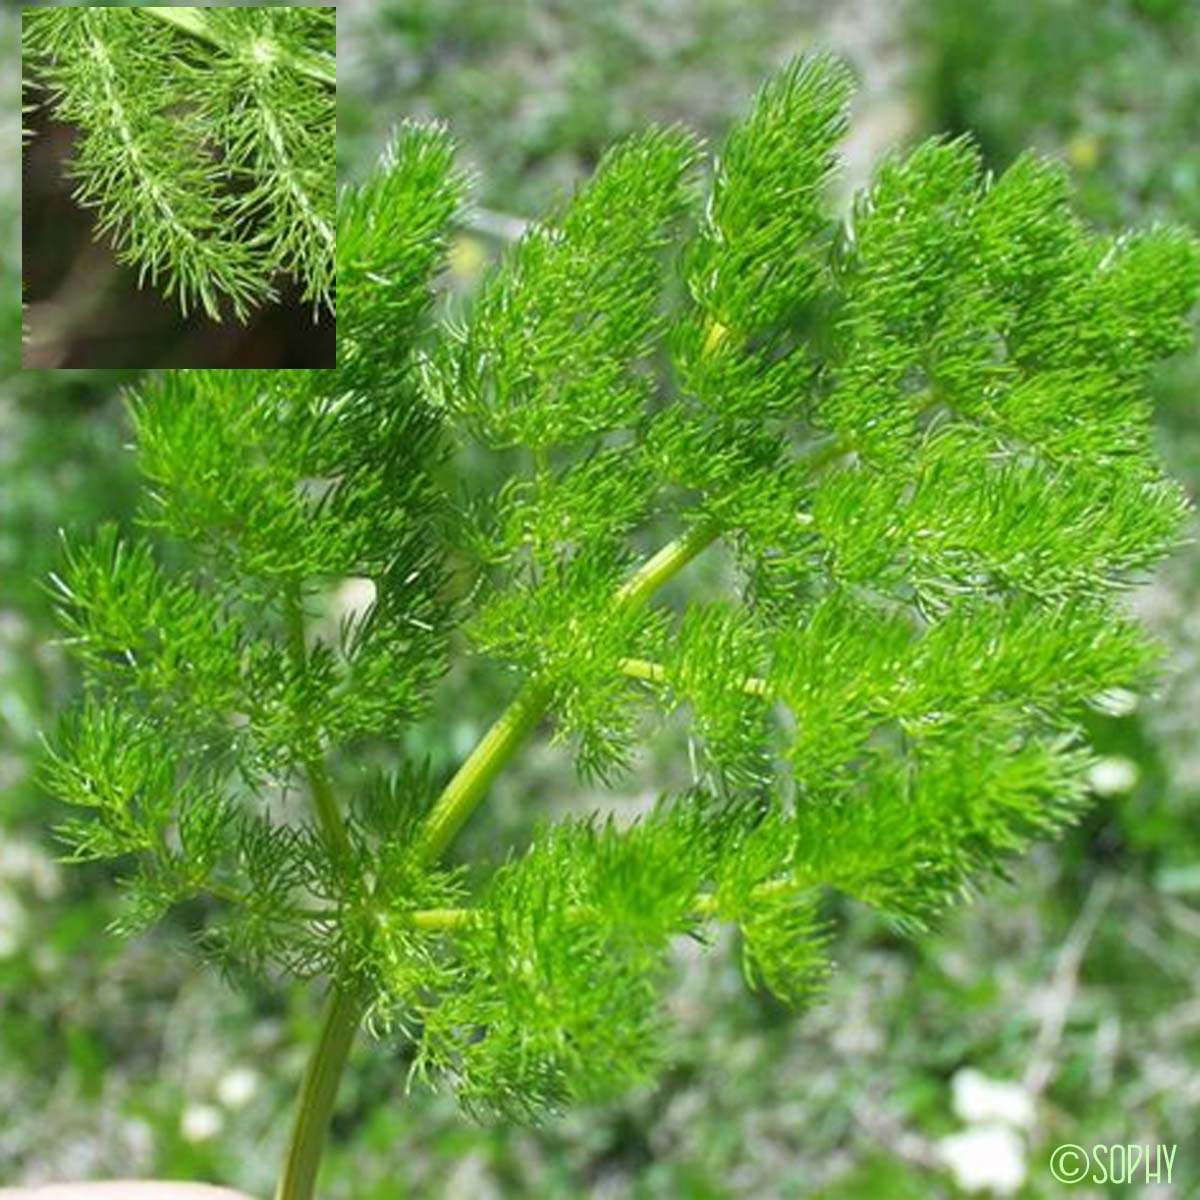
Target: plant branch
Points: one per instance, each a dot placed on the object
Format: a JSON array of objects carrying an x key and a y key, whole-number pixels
[
  {"x": 317, "y": 1093},
  {"x": 464, "y": 791},
  {"x": 192, "y": 21},
  {"x": 706, "y": 904},
  {"x": 342, "y": 1010},
  {"x": 458, "y": 800},
  {"x": 471, "y": 781},
  {"x": 669, "y": 561}
]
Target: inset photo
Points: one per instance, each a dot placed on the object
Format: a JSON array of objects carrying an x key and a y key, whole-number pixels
[{"x": 179, "y": 184}]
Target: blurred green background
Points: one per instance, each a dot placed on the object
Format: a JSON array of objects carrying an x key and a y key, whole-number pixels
[{"x": 1063, "y": 1007}]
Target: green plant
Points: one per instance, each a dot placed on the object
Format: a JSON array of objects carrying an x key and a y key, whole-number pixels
[
  {"x": 207, "y": 141},
  {"x": 1110, "y": 87},
  {"x": 921, "y": 438}
]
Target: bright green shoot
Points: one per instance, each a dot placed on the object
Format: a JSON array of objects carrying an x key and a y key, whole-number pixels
[
  {"x": 920, "y": 439},
  {"x": 206, "y": 142}
]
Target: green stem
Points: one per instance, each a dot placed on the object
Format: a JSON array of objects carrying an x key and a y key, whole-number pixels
[
  {"x": 317, "y": 1093},
  {"x": 440, "y": 920},
  {"x": 462, "y": 794},
  {"x": 192, "y": 21},
  {"x": 670, "y": 560},
  {"x": 457, "y": 801},
  {"x": 342, "y": 1010}
]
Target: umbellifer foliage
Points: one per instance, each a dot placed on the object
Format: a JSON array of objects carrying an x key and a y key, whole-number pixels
[
  {"x": 921, "y": 436},
  {"x": 206, "y": 142}
]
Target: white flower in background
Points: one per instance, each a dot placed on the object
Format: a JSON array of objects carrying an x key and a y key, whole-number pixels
[
  {"x": 237, "y": 1086},
  {"x": 26, "y": 862},
  {"x": 1113, "y": 776},
  {"x": 12, "y": 924},
  {"x": 353, "y": 598},
  {"x": 985, "y": 1158},
  {"x": 980, "y": 1100},
  {"x": 200, "y": 1122}
]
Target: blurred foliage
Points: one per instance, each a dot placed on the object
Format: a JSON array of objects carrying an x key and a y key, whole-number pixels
[
  {"x": 1110, "y": 85},
  {"x": 535, "y": 90}
]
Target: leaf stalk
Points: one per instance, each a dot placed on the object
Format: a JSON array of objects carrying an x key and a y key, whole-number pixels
[
  {"x": 192, "y": 21},
  {"x": 463, "y": 793},
  {"x": 339, "y": 1024}
]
